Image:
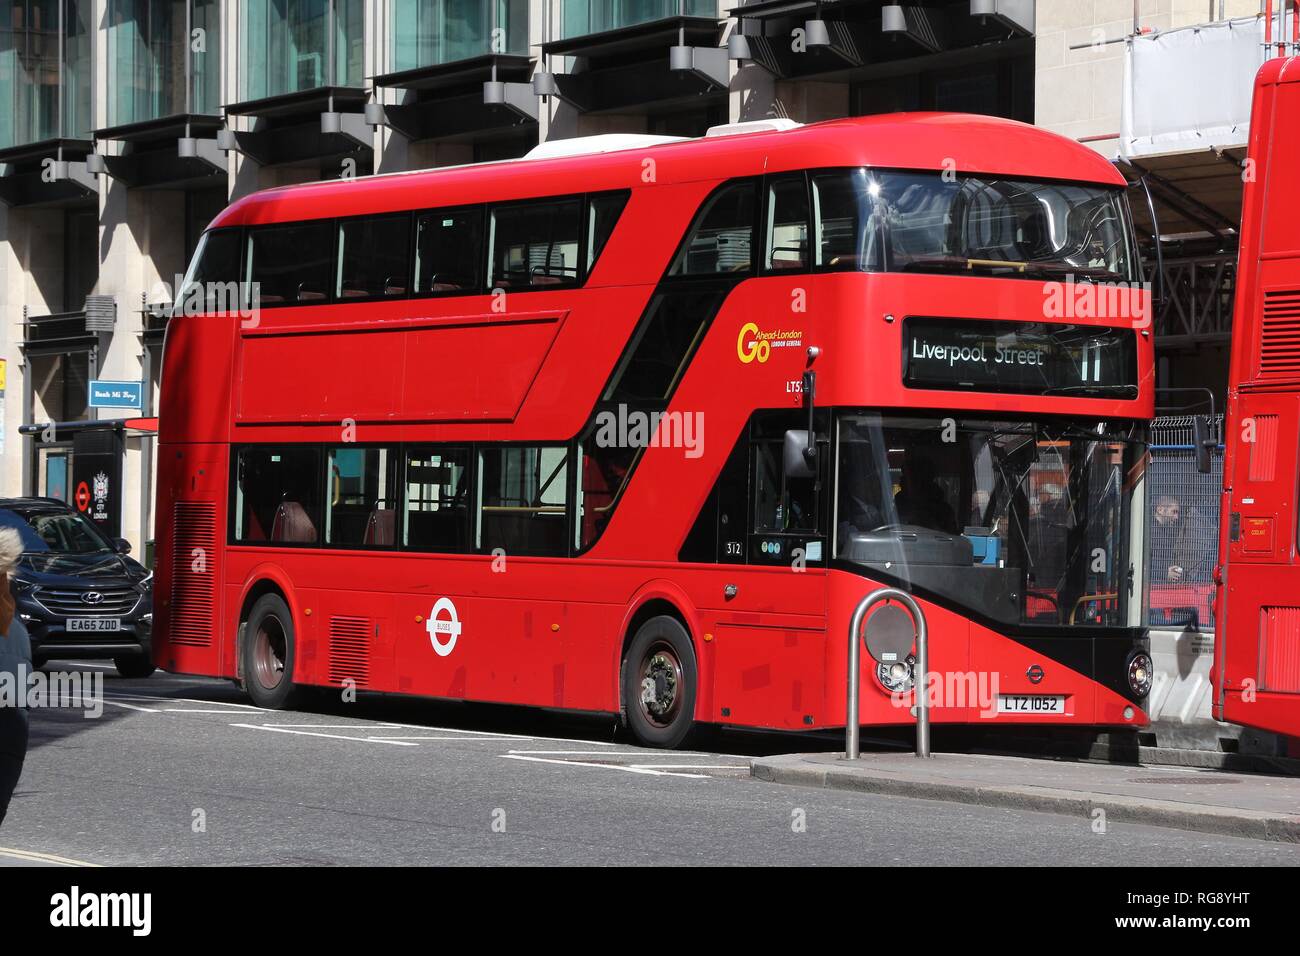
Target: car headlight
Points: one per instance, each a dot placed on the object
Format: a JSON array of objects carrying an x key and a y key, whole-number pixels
[
  {"x": 20, "y": 585},
  {"x": 1140, "y": 674},
  {"x": 896, "y": 676},
  {"x": 145, "y": 584}
]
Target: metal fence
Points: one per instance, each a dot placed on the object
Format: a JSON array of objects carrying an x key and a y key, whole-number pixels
[{"x": 1182, "y": 526}]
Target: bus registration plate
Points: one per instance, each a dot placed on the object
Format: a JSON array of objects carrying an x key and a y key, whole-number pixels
[
  {"x": 93, "y": 624},
  {"x": 1031, "y": 704}
]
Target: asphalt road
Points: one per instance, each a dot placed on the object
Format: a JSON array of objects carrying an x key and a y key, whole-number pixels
[{"x": 185, "y": 771}]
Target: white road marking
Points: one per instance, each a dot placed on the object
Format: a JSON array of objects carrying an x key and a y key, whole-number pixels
[
  {"x": 306, "y": 733},
  {"x": 194, "y": 710},
  {"x": 32, "y": 856},
  {"x": 336, "y": 726},
  {"x": 582, "y": 753},
  {"x": 491, "y": 739},
  {"x": 117, "y": 703},
  {"x": 687, "y": 766},
  {"x": 192, "y": 700},
  {"x": 606, "y": 766}
]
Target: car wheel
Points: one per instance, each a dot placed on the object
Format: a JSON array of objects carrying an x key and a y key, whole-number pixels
[
  {"x": 137, "y": 666},
  {"x": 659, "y": 680},
  {"x": 269, "y": 653}
]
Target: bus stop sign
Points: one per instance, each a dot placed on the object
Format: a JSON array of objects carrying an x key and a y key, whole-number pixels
[{"x": 889, "y": 634}]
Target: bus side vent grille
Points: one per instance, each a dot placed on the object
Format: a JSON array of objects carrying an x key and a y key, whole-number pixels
[
  {"x": 1279, "y": 651},
  {"x": 194, "y": 526},
  {"x": 1279, "y": 347},
  {"x": 350, "y": 650},
  {"x": 1263, "y": 450}
]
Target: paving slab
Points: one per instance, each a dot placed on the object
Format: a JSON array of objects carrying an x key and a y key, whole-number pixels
[{"x": 1257, "y": 806}]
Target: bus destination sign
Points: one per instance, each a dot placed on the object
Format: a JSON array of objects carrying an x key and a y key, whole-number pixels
[{"x": 1027, "y": 358}]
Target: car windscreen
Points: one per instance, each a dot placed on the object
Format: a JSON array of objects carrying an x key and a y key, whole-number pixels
[{"x": 61, "y": 532}]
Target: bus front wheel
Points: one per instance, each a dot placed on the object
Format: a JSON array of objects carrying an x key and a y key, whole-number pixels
[
  {"x": 268, "y": 654},
  {"x": 659, "y": 680}
]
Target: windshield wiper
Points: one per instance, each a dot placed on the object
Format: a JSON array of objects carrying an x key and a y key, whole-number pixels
[
  {"x": 958, "y": 264},
  {"x": 1060, "y": 268},
  {"x": 1119, "y": 391}
]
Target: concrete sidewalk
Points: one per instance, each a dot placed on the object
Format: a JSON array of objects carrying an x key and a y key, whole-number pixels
[{"x": 1246, "y": 805}]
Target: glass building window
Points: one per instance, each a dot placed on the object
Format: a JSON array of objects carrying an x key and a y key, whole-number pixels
[
  {"x": 431, "y": 32},
  {"x": 147, "y": 51},
  {"x": 32, "y": 84},
  {"x": 292, "y": 45},
  {"x": 582, "y": 17}
]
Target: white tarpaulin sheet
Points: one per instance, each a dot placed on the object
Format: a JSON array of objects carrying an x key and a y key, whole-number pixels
[{"x": 1190, "y": 89}]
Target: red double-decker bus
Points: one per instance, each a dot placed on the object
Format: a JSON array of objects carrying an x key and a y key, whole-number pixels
[
  {"x": 1257, "y": 641},
  {"x": 631, "y": 426}
]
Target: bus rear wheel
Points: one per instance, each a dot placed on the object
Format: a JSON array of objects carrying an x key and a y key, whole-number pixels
[
  {"x": 659, "y": 680},
  {"x": 268, "y": 654}
]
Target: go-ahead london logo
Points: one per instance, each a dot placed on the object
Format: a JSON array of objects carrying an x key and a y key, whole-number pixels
[{"x": 443, "y": 633}]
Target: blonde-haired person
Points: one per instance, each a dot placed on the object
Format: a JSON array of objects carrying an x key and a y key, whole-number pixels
[{"x": 15, "y": 669}]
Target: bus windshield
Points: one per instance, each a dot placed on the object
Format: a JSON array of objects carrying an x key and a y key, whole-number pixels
[
  {"x": 932, "y": 222},
  {"x": 1016, "y": 523}
]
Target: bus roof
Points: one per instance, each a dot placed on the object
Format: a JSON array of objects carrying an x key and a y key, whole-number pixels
[{"x": 935, "y": 141}]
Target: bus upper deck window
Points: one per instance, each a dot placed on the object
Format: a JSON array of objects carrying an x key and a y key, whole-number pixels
[
  {"x": 721, "y": 238},
  {"x": 843, "y": 203},
  {"x": 787, "y": 224},
  {"x": 535, "y": 245},
  {"x": 292, "y": 263},
  {"x": 602, "y": 215},
  {"x": 374, "y": 257},
  {"x": 213, "y": 279},
  {"x": 448, "y": 248}
]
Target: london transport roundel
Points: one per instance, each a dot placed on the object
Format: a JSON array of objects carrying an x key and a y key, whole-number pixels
[
  {"x": 443, "y": 633},
  {"x": 83, "y": 496}
]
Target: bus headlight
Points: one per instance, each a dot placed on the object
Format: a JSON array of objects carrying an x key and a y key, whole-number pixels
[
  {"x": 1140, "y": 674},
  {"x": 896, "y": 677}
]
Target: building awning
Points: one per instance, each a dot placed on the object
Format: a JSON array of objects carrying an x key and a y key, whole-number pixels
[
  {"x": 141, "y": 426},
  {"x": 450, "y": 101},
  {"x": 51, "y": 173},
  {"x": 862, "y": 34},
  {"x": 316, "y": 125},
  {"x": 638, "y": 37},
  {"x": 62, "y": 431},
  {"x": 645, "y": 67},
  {"x": 150, "y": 156}
]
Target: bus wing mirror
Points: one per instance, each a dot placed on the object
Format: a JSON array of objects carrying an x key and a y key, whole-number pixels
[
  {"x": 1203, "y": 443},
  {"x": 796, "y": 457}
]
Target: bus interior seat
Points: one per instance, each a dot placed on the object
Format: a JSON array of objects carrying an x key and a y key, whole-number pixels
[
  {"x": 309, "y": 295},
  {"x": 293, "y": 524},
  {"x": 394, "y": 286},
  {"x": 380, "y": 527}
]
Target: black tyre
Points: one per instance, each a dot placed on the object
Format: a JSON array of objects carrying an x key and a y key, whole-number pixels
[
  {"x": 659, "y": 683},
  {"x": 268, "y": 654},
  {"x": 135, "y": 665}
]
